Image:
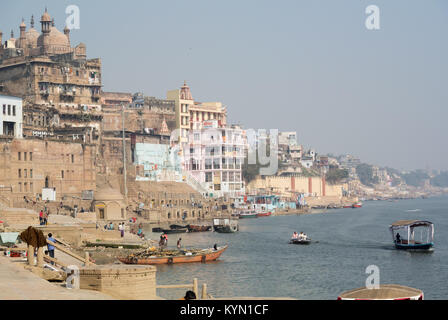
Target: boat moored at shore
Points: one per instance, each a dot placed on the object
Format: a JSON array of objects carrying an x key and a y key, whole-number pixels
[{"x": 174, "y": 256}]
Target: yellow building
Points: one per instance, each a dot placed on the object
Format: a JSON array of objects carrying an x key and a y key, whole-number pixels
[
  {"x": 192, "y": 115},
  {"x": 183, "y": 101}
]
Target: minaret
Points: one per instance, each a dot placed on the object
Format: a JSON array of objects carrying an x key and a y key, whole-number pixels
[
  {"x": 22, "y": 34},
  {"x": 67, "y": 34},
  {"x": 1, "y": 39},
  {"x": 32, "y": 22},
  {"x": 45, "y": 22},
  {"x": 185, "y": 92}
]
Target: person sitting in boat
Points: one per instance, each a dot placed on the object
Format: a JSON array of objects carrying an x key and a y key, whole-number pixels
[
  {"x": 295, "y": 235},
  {"x": 398, "y": 238}
]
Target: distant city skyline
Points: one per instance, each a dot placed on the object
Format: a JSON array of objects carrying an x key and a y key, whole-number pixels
[{"x": 306, "y": 66}]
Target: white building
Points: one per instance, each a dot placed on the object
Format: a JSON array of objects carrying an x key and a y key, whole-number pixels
[
  {"x": 287, "y": 138},
  {"x": 214, "y": 157},
  {"x": 11, "y": 119}
]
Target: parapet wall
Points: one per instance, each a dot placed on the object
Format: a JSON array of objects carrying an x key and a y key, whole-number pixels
[{"x": 121, "y": 281}]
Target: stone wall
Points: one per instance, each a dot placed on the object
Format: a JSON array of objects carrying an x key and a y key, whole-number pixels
[
  {"x": 67, "y": 167},
  {"x": 315, "y": 186},
  {"x": 126, "y": 282}
]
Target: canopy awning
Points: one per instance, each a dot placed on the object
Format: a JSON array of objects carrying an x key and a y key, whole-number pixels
[{"x": 410, "y": 223}]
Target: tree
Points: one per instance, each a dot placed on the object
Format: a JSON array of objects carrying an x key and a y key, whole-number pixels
[
  {"x": 365, "y": 174},
  {"x": 334, "y": 175}
]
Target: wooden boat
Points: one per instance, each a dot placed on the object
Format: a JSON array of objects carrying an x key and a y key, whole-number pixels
[
  {"x": 300, "y": 241},
  {"x": 264, "y": 214},
  {"x": 176, "y": 226},
  {"x": 248, "y": 214},
  {"x": 169, "y": 231},
  {"x": 204, "y": 255},
  {"x": 357, "y": 205},
  {"x": 226, "y": 229},
  {"x": 418, "y": 234},
  {"x": 225, "y": 225},
  {"x": 194, "y": 228},
  {"x": 384, "y": 292},
  {"x": 347, "y": 207},
  {"x": 157, "y": 230}
]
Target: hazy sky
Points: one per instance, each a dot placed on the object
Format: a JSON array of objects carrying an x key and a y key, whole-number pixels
[{"x": 308, "y": 66}]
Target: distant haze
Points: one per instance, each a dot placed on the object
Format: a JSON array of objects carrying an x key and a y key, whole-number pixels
[{"x": 306, "y": 66}]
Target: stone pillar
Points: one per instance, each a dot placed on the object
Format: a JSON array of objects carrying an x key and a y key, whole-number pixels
[
  {"x": 40, "y": 257},
  {"x": 87, "y": 257},
  {"x": 30, "y": 255},
  {"x": 195, "y": 287}
]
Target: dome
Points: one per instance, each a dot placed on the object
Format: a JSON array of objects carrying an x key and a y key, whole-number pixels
[
  {"x": 31, "y": 37},
  {"x": 55, "y": 38},
  {"x": 45, "y": 17},
  {"x": 108, "y": 194}
]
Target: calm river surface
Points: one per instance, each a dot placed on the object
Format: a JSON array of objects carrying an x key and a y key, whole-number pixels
[{"x": 260, "y": 263}]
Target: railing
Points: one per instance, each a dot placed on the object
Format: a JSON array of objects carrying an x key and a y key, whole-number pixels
[
  {"x": 86, "y": 259},
  {"x": 193, "y": 287}
]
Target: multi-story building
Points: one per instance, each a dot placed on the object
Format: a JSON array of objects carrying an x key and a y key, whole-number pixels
[
  {"x": 191, "y": 114},
  {"x": 58, "y": 84},
  {"x": 287, "y": 138},
  {"x": 29, "y": 165},
  {"x": 214, "y": 156},
  {"x": 11, "y": 116}
]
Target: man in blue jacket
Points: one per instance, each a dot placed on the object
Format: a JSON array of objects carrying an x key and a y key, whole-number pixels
[{"x": 50, "y": 247}]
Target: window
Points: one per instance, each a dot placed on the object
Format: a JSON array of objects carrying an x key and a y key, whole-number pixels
[
  {"x": 31, "y": 187},
  {"x": 73, "y": 158},
  {"x": 101, "y": 213},
  {"x": 20, "y": 186},
  {"x": 9, "y": 109},
  {"x": 31, "y": 156},
  {"x": 62, "y": 174},
  {"x": 18, "y": 156},
  {"x": 24, "y": 156},
  {"x": 31, "y": 173},
  {"x": 25, "y": 173},
  {"x": 237, "y": 163},
  {"x": 208, "y": 164},
  {"x": 4, "y": 109},
  {"x": 208, "y": 177},
  {"x": 20, "y": 173},
  {"x": 13, "y": 110},
  {"x": 25, "y": 187},
  {"x": 216, "y": 163}
]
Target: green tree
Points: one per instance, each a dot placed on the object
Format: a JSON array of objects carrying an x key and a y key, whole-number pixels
[
  {"x": 365, "y": 174},
  {"x": 335, "y": 175}
]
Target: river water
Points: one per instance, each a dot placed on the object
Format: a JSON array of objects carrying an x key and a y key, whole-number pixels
[{"x": 260, "y": 263}]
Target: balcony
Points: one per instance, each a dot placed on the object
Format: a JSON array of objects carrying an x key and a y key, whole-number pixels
[
  {"x": 44, "y": 92},
  {"x": 68, "y": 93}
]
